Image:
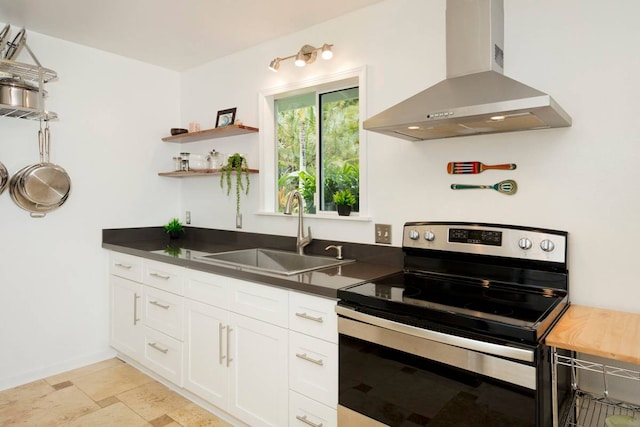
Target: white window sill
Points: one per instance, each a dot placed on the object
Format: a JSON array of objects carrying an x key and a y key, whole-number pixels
[{"x": 321, "y": 216}]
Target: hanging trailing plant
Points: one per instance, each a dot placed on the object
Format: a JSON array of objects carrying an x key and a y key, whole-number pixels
[{"x": 236, "y": 163}]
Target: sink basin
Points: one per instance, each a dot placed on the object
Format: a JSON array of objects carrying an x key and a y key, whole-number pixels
[{"x": 272, "y": 261}]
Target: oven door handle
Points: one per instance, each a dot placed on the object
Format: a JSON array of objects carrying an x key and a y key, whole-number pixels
[{"x": 454, "y": 340}]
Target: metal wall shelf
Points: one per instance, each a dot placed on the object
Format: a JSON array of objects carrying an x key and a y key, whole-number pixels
[
  {"x": 592, "y": 409},
  {"x": 33, "y": 74}
]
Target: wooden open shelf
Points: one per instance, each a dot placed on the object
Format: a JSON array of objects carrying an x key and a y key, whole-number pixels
[
  {"x": 222, "y": 132},
  {"x": 198, "y": 172}
]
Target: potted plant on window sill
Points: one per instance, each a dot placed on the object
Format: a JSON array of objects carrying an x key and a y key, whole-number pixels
[
  {"x": 173, "y": 228},
  {"x": 344, "y": 201},
  {"x": 238, "y": 164}
]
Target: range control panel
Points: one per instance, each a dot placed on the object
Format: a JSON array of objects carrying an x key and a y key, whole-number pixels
[{"x": 488, "y": 239}]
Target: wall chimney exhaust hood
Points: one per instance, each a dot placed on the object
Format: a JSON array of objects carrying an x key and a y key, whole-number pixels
[{"x": 476, "y": 98}]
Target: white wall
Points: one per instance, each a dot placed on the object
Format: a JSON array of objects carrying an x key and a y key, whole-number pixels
[
  {"x": 54, "y": 296},
  {"x": 579, "y": 179}
]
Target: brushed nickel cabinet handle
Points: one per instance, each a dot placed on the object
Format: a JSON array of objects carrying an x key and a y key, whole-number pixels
[
  {"x": 304, "y": 356},
  {"x": 160, "y": 349},
  {"x": 221, "y": 328},
  {"x": 135, "y": 308},
  {"x": 306, "y": 316},
  {"x": 126, "y": 266},
  {"x": 160, "y": 276},
  {"x": 307, "y": 422},
  {"x": 229, "y": 359},
  {"x": 157, "y": 304}
]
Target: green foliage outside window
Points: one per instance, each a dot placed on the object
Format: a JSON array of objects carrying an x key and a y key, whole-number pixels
[{"x": 299, "y": 156}]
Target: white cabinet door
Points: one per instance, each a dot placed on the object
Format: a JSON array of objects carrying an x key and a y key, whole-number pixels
[
  {"x": 126, "y": 311},
  {"x": 259, "y": 381},
  {"x": 206, "y": 335}
]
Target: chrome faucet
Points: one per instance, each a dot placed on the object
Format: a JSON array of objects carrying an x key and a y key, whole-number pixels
[{"x": 301, "y": 240}]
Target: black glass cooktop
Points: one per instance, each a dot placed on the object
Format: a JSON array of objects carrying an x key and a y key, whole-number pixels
[{"x": 489, "y": 307}]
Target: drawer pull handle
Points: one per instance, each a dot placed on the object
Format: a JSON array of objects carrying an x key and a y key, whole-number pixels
[
  {"x": 229, "y": 359},
  {"x": 304, "y": 356},
  {"x": 135, "y": 308},
  {"x": 160, "y": 276},
  {"x": 306, "y": 316},
  {"x": 127, "y": 266},
  {"x": 221, "y": 357},
  {"x": 307, "y": 422},
  {"x": 156, "y": 303},
  {"x": 160, "y": 349}
]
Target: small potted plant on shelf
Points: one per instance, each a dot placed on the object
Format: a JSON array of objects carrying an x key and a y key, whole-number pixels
[
  {"x": 238, "y": 164},
  {"x": 173, "y": 228},
  {"x": 344, "y": 201}
]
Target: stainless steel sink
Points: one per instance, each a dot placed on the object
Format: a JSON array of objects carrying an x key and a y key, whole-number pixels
[{"x": 272, "y": 261}]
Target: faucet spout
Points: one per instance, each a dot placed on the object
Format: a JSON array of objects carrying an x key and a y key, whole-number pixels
[{"x": 301, "y": 240}]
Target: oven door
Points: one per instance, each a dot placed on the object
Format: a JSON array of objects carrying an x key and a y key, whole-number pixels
[{"x": 402, "y": 375}]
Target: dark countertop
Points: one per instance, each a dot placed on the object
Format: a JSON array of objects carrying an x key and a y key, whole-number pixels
[{"x": 372, "y": 261}]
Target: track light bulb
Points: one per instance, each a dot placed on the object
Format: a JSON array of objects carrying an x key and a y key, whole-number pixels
[
  {"x": 301, "y": 61},
  {"x": 274, "y": 65},
  {"x": 327, "y": 53}
]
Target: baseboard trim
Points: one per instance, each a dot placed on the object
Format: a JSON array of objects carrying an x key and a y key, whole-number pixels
[{"x": 38, "y": 374}]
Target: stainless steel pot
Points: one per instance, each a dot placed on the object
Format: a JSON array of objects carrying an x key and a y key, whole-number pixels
[{"x": 15, "y": 92}]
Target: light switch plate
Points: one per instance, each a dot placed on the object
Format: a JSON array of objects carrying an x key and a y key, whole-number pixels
[{"x": 383, "y": 233}]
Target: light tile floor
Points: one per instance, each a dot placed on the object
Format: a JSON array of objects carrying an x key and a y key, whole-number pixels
[{"x": 108, "y": 393}]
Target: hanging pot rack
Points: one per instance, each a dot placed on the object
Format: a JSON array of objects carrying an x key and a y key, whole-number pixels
[{"x": 35, "y": 74}]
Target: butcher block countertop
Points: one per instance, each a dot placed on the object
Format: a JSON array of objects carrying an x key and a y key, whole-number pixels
[{"x": 600, "y": 332}]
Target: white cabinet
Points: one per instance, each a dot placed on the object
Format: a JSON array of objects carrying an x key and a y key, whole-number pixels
[
  {"x": 236, "y": 347},
  {"x": 313, "y": 360},
  {"x": 265, "y": 355},
  {"x": 147, "y": 313},
  {"x": 258, "y": 383},
  {"x": 206, "y": 339},
  {"x": 126, "y": 327}
]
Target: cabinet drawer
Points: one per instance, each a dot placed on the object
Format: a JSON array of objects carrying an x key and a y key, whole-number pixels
[
  {"x": 313, "y": 368},
  {"x": 163, "y": 311},
  {"x": 305, "y": 412},
  {"x": 163, "y": 355},
  {"x": 163, "y": 276},
  {"x": 207, "y": 288},
  {"x": 315, "y": 316},
  {"x": 260, "y": 302},
  {"x": 127, "y": 266}
]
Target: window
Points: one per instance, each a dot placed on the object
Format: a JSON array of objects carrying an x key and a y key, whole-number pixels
[{"x": 311, "y": 141}]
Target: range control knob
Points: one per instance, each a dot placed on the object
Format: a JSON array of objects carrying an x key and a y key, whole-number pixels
[
  {"x": 525, "y": 243},
  {"x": 429, "y": 236},
  {"x": 547, "y": 245},
  {"x": 414, "y": 235}
]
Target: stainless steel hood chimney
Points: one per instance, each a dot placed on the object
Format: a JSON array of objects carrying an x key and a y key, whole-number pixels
[{"x": 476, "y": 98}]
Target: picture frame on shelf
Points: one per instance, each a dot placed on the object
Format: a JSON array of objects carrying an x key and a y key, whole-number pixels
[{"x": 226, "y": 117}]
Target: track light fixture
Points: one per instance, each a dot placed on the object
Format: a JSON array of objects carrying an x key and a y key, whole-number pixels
[{"x": 306, "y": 55}]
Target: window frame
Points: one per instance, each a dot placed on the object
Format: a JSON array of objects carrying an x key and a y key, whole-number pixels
[{"x": 267, "y": 157}]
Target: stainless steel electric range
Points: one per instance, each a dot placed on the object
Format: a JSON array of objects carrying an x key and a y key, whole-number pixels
[{"x": 457, "y": 338}]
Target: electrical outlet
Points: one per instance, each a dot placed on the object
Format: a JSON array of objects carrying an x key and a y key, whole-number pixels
[
  {"x": 188, "y": 217},
  {"x": 383, "y": 233}
]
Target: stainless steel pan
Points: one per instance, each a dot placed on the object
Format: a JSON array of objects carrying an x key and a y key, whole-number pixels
[
  {"x": 4, "y": 35},
  {"x": 42, "y": 187},
  {"x": 4, "y": 178},
  {"x": 15, "y": 46},
  {"x": 36, "y": 210},
  {"x": 45, "y": 183}
]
